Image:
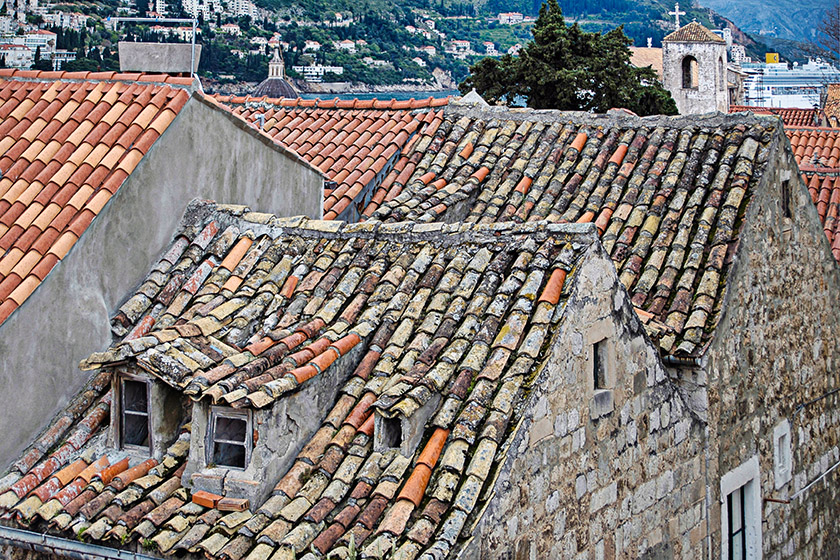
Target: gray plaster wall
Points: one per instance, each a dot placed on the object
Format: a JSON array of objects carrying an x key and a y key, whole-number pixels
[
  {"x": 615, "y": 473},
  {"x": 206, "y": 152},
  {"x": 775, "y": 359},
  {"x": 158, "y": 58}
]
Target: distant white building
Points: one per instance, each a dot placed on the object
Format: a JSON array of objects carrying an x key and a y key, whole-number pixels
[
  {"x": 510, "y": 18},
  {"x": 7, "y": 25},
  {"x": 514, "y": 50},
  {"x": 419, "y": 61},
  {"x": 315, "y": 72},
  {"x": 490, "y": 48},
  {"x": 59, "y": 57},
  {"x": 346, "y": 45},
  {"x": 311, "y": 46},
  {"x": 428, "y": 49},
  {"x": 40, "y": 38},
  {"x": 231, "y": 29},
  {"x": 66, "y": 20},
  {"x": 374, "y": 63},
  {"x": 16, "y": 56}
]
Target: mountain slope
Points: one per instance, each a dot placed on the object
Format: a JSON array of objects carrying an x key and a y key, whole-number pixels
[{"x": 786, "y": 19}]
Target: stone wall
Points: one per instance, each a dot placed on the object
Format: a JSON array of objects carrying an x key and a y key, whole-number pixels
[
  {"x": 775, "y": 359},
  {"x": 207, "y": 153},
  {"x": 615, "y": 473}
]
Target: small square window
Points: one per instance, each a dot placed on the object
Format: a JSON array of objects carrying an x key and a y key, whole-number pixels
[
  {"x": 230, "y": 445},
  {"x": 134, "y": 418},
  {"x": 599, "y": 365}
]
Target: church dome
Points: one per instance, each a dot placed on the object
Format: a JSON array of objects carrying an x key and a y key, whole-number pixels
[
  {"x": 276, "y": 85},
  {"x": 275, "y": 88}
]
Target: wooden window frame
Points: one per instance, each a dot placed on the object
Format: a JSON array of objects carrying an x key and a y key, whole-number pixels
[
  {"x": 130, "y": 446},
  {"x": 231, "y": 413}
]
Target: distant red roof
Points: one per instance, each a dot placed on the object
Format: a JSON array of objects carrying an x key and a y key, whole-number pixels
[
  {"x": 359, "y": 144},
  {"x": 791, "y": 116}
]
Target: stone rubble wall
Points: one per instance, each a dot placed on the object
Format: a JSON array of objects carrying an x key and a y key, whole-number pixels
[{"x": 617, "y": 474}]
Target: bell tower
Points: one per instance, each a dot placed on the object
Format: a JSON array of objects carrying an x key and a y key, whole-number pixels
[{"x": 694, "y": 69}]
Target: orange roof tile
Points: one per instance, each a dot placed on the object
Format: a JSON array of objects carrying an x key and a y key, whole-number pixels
[{"x": 65, "y": 149}]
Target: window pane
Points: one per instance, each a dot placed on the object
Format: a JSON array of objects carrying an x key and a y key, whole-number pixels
[
  {"x": 229, "y": 455},
  {"x": 136, "y": 429},
  {"x": 736, "y": 510},
  {"x": 135, "y": 396},
  {"x": 230, "y": 429},
  {"x": 737, "y": 548}
]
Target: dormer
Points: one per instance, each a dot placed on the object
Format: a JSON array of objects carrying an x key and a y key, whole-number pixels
[
  {"x": 402, "y": 425},
  {"x": 146, "y": 413}
]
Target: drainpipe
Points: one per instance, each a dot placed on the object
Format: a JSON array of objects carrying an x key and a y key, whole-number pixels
[{"x": 76, "y": 550}]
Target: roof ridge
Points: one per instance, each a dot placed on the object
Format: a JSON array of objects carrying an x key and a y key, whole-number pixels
[
  {"x": 694, "y": 32},
  {"x": 618, "y": 117},
  {"x": 336, "y": 102},
  {"x": 270, "y": 224},
  {"x": 109, "y": 76}
]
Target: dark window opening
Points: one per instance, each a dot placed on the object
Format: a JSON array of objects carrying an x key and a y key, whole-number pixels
[
  {"x": 721, "y": 75},
  {"x": 230, "y": 440},
  {"x": 736, "y": 525},
  {"x": 690, "y": 73},
  {"x": 786, "y": 198},
  {"x": 135, "y": 413},
  {"x": 391, "y": 432},
  {"x": 599, "y": 364}
]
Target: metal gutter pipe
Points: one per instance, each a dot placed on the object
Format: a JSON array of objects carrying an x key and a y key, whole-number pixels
[{"x": 76, "y": 550}]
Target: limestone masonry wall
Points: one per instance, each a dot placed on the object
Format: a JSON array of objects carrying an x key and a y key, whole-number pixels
[
  {"x": 618, "y": 472},
  {"x": 774, "y": 360}
]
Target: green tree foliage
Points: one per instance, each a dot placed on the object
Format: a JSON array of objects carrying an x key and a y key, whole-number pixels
[{"x": 567, "y": 68}]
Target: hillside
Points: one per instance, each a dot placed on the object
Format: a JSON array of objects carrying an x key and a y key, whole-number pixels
[
  {"x": 785, "y": 19},
  {"x": 403, "y": 44}
]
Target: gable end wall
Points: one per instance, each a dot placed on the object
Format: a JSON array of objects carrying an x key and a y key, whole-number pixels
[
  {"x": 774, "y": 358},
  {"x": 626, "y": 484}
]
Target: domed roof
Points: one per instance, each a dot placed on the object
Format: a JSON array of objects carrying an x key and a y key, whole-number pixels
[
  {"x": 276, "y": 85},
  {"x": 275, "y": 88}
]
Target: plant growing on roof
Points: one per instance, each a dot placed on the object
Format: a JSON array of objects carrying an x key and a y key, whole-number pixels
[{"x": 567, "y": 68}]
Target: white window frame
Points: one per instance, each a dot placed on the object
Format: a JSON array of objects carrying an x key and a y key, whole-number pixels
[
  {"x": 228, "y": 412},
  {"x": 782, "y": 454},
  {"x": 748, "y": 476},
  {"x": 129, "y": 446}
]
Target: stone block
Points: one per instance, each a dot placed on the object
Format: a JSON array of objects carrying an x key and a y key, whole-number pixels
[
  {"x": 580, "y": 486},
  {"x": 601, "y": 404},
  {"x": 603, "y": 497}
]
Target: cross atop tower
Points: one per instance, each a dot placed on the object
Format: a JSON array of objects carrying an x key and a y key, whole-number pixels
[{"x": 677, "y": 13}]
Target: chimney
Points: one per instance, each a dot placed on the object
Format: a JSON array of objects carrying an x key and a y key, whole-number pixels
[{"x": 158, "y": 58}]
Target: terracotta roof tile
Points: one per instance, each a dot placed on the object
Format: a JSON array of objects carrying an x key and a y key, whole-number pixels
[
  {"x": 381, "y": 490},
  {"x": 58, "y": 147},
  {"x": 341, "y": 137}
]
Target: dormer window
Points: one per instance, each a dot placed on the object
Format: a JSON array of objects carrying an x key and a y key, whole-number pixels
[
  {"x": 230, "y": 445},
  {"x": 135, "y": 421}
]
